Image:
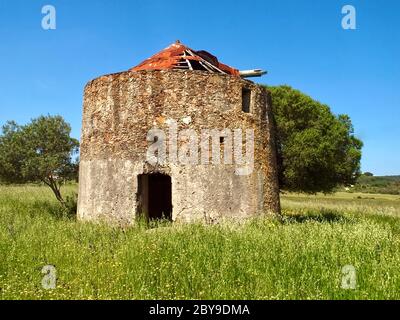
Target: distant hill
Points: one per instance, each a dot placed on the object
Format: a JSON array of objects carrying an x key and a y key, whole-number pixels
[{"x": 378, "y": 184}]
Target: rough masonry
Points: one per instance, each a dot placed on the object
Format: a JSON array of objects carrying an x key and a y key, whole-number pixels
[{"x": 117, "y": 184}]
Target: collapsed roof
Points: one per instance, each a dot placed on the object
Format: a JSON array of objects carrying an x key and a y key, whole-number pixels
[{"x": 179, "y": 56}]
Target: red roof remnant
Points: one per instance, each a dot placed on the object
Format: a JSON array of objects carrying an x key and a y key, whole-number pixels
[{"x": 179, "y": 56}]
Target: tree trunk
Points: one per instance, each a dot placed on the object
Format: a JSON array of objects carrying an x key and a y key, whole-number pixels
[{"x": 56, "y": 190}]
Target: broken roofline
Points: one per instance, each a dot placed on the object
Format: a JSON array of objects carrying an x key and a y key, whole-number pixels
[{"x": 179, "y": 56}]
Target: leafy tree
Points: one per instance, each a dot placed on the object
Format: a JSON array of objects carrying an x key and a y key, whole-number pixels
[
  {"x": 316, "y": 149},
  {"x": 368, "y": 174},
  {"x": 39, "y": 151}
]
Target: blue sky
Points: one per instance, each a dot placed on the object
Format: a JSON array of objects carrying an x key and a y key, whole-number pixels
[{"x": 299, "y": 42}]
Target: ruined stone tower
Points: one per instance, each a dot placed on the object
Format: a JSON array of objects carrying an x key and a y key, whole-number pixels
[{"x": 175, "y": 90}]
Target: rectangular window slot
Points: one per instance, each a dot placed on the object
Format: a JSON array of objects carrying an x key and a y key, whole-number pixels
[{"x": 246, "y": 100}]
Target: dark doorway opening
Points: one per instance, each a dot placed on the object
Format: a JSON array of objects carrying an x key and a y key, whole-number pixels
[{"x": 154, "y": 197}]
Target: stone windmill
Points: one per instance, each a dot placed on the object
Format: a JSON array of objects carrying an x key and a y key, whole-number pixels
[{"x": 185, "y": 94}]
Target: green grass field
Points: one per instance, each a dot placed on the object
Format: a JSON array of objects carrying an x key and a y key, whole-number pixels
[{"x": 301, "y": 258}]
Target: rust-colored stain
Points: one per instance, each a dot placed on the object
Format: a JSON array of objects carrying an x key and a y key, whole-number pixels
[
  {"x": 160, "y": 119},
  {"x": 179, "y": 56}
]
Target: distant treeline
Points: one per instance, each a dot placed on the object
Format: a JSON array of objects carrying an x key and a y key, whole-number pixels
[{"x": 383, "y": 184}]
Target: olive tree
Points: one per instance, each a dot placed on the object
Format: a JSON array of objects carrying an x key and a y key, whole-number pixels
[{"x": 41, "y": 150}]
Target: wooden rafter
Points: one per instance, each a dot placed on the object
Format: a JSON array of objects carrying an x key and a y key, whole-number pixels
[
  {"x": 204, "y": 63},
  {"x": 188, "y": 62}
]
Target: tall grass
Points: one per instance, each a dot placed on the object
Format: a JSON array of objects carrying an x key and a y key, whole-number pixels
[{"x": 301, "y": 258}]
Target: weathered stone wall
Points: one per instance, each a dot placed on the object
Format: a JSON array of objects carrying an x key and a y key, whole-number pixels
[{"x": 120, "y": 109}]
